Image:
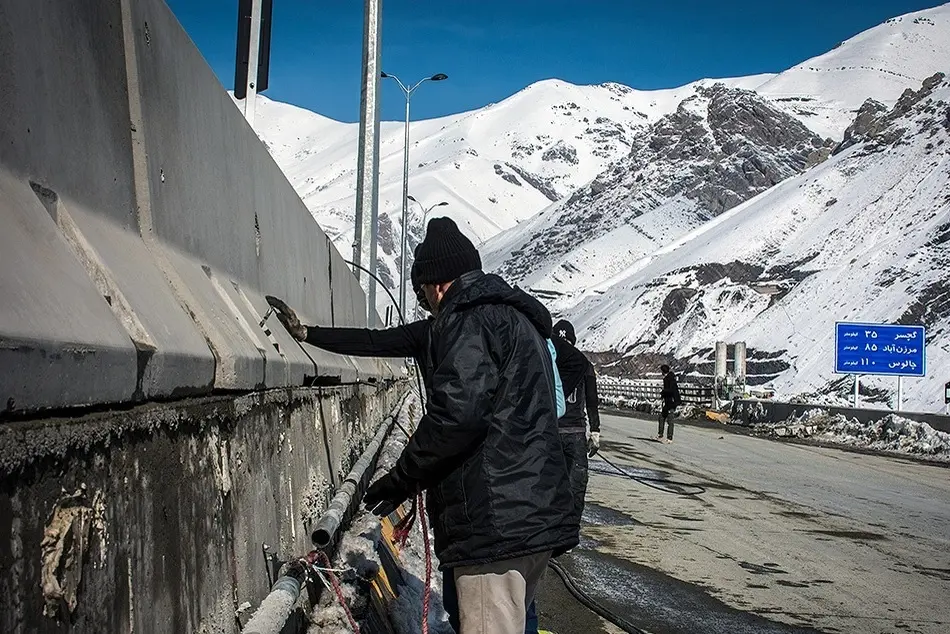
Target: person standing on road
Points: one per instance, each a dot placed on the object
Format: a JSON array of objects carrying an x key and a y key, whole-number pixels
[
  {"x": 487, "y": 449},
  {"x": 580, "y": 390},
  {"x": 671, "y": 400}
]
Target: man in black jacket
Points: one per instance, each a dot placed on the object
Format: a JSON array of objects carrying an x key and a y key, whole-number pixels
[
  {"x": 487, "y": 449},
  {"x": 671, "y": 400},
  {"x": 411, "y": 340},
  {"x": 580, "y": 392}
]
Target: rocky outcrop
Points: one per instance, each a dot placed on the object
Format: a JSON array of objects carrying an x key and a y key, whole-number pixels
[
  {"x": 719, "y": 148},
  {"x": 877, "y": 127}
]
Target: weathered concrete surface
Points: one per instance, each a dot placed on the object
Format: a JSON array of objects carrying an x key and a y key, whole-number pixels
[
  {"x": 152, "y": 519},
  {"x": 145, "y": 221},
  {"x": 786, "y": 536}
]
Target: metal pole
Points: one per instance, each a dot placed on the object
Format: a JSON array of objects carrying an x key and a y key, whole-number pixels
[
  {"x": 250, "y": 100},
  {"x": 405, "y": 213},
  {"x": 367, "y": 166},
  {"x": 857, "y": 381},
  {"x": 900, "y": 392}
]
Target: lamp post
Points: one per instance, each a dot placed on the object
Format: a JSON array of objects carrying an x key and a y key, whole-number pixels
[
  {"x": 425, "y": 215},
  {"x": 405, "y": 175},
  {"x": 426, "y": 210}
]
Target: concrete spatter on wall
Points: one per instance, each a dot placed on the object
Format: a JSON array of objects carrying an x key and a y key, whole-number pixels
[
  {"x": 144, "y": 222},
  {"x": 178, "y": 499}
]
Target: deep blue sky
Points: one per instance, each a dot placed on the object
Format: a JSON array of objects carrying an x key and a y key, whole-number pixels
[{"x": 492, "y": 48}]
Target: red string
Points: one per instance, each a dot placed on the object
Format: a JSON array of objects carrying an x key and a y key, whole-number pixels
[
  {"x": 325, "y": 561},
  {"x": 401, "y": 533},
  {"x": 404, "y": 526},
  {"x": 428, "y": 589}
]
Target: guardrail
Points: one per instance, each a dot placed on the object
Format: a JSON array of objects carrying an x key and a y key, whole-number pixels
[{"x": 651, "y": 389}]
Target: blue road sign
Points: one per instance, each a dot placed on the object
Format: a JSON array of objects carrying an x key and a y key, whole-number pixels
[{"x": 880, "y": 349}]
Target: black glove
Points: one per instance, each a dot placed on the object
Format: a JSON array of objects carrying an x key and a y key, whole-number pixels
[
  {"x": 287, "y": 316},
  {"x": 385, "y": 495}
]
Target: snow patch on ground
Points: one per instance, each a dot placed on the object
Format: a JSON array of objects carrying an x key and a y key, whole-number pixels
[{"x": 891, "y": 433}]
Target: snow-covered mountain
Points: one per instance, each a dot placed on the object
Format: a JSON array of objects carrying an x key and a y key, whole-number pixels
[
  {"x": 864, "y": 236},
  {"x": 878, "y": 64},
  {"x": 720, "y": 147},
  {"x": 495, "y": 166},
  {"x": 591, "y": 195}
]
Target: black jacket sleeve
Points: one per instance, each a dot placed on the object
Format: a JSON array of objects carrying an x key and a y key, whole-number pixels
[
  {"x": 592, "y": 401},
  {"x": 465, "y": 379},
  {"x": 401, "y": 341}
]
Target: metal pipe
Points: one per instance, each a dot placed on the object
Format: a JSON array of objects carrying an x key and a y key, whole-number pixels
[
  {"x": 279, "y": 603},
  {"x": 276, "y": 607},
  {"x": 900, "y": 393},
  {"x": 352, "y": 485},
  {"x": 405, "y": 214},
  {"x": 367, "y": 162},
  {"x": 250, "y": 100}
]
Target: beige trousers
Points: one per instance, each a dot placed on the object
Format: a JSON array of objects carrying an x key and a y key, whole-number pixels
[{"x": 493, "y": 597}]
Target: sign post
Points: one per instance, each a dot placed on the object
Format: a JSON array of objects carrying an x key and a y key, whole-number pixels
[
  {"x": 880, "y": 349},
  {"x": 900, "y": 392}
]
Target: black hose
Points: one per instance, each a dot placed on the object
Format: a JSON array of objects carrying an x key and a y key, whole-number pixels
[
  {"x": 589, "y": 602},
  {"x": 657, "y": 483}
]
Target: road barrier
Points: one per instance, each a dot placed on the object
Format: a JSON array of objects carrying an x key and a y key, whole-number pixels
[
  {"x": 144, "y": 221},
  {"x": 650, "y": 390}
]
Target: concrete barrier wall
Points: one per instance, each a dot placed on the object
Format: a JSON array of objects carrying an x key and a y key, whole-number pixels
[
  {"x": 751, "y": 412},
  {"x": 152, "y": 520},
  {"x": 144, "y": 221}
]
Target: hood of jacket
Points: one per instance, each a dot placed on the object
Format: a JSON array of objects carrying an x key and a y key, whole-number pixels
[{"x": 477, "y": 288}]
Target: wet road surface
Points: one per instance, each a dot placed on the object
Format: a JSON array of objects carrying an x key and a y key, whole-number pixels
[{"x": 781, "y": 538}]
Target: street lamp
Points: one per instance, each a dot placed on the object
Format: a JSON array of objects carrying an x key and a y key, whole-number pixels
[
  {"x": 425, "y": 215},
  {"x": 426, "y": 210},
  {"x": 405, "y": 174}
]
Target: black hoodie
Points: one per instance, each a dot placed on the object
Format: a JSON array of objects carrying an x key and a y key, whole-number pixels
[{"x": 487, "y": 449}]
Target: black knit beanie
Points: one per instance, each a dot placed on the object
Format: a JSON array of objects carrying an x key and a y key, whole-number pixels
[
  {"x": 444, "y": 255},
  {"x": 565, "y": 330}
]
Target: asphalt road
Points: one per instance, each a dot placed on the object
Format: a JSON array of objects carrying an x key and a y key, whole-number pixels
[{"x": 784, "y": 538}]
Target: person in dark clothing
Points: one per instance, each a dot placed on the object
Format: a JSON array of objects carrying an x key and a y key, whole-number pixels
[
  {"x": 409, "y": 340},
  {"x": 580, "y": 391},
  {"x": 487, "y": 449},
  {"x": 671, "y": 400}
]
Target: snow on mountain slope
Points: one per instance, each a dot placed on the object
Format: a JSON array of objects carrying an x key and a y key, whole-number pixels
[
  {"x": 501, "y": 165},
  {"x": 495, "y": 166},
  {"x": 720, "y": 147},
  {"x": 861, "y": 237},
  {"x": 878, "y": 63}
]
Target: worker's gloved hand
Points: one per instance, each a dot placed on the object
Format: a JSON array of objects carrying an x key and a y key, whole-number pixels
[
  {"x": 593, "y": 443},
  {"x": 385, "y": 495},
  {"x": 288, "y": 318}
]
